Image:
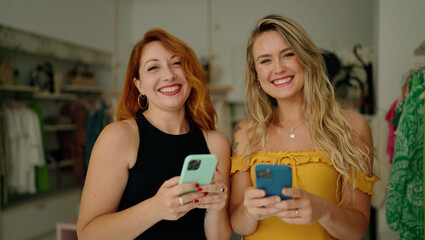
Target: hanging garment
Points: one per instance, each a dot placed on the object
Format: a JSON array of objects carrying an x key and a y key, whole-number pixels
[
  {"x": 96, "y": 124},
  {"x": 73, "y": 142},
  {"x": 26, "y": 149},
  {"x": 391, "y": 130},
  {"x": 404, "y": 207},
  {"x": 42, "y": 174}
]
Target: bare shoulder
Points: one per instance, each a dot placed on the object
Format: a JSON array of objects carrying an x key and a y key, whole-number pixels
[
  {"x": 118, "y": 139},
  {"x": 240, "y": 139},
  {"x": 119, "y": 131},
  {"x": 361, "y": 126},
  {"x": 219, "y": 145},
  {"x": 216, "y": 140},
  {"x": 357, "y": 121}
]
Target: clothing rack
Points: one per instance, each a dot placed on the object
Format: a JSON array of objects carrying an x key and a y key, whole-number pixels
[
  {"x": 367, "y": 91},
  {"x": 408, "y": 160}
]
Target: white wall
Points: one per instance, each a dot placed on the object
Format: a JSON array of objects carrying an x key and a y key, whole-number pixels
[
  {"x": 88, "y": 23},
  {"x": 332, "y": 24},
  {"x": 400, "y": 32}
]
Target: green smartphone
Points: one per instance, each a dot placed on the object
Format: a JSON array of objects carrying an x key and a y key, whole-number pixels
[{"x": 198, "y": 168}]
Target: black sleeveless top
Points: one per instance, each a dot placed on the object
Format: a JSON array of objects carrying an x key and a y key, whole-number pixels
[{"x": 160, "y": 158}]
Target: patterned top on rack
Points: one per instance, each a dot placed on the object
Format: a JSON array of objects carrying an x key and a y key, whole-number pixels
[{"x": 405, "y": 201}]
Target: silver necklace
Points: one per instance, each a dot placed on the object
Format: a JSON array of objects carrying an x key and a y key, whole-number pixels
[{"x": 292, "y": 135}]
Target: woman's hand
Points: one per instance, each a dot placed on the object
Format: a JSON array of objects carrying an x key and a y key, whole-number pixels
[
  {"x": 171, "y": 204},
  {"x": 214, "y": 195},
  {"x": 303, "y": 208},
  {"x": 258, "y": 206}
]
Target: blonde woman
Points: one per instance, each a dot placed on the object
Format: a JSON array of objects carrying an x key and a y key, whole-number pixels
[{"x": 294, "y": 120}]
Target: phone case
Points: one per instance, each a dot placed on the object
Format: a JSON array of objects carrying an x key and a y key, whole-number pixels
[
  {"x": 198, "y": 168},
  {"x": 273, "y": 178}
]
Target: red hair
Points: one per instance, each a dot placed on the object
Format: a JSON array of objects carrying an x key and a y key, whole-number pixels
[{"x": 199, "y": 108}]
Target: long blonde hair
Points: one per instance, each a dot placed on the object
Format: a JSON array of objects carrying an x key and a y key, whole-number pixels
[{"x": 330, "y": 130}]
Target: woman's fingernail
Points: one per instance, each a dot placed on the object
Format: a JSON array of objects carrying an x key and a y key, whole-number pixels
[
  {"x": 196, "y": 185},
  {"x": 199, "y": 189},
  {"x": 196, "y": 201},
  {"x": 205, "y": 193},
  {"x": 216, "y": 169}
]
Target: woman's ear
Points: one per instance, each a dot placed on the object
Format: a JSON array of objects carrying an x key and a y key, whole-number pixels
[{"x": 138, "y": 85}]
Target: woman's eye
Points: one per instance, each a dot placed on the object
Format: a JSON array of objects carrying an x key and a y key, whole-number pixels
[
  {"x": 264, "y": 61},
  {"x": 288, "y": 55},
  {"x": 177, "y": 63},
  {"x": 152, "y": 68}
]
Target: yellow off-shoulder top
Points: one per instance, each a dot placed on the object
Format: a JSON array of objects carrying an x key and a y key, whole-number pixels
[{"x": 311, "y": 170}]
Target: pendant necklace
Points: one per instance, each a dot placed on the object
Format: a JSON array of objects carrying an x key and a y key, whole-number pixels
[{"x": 292, "y": 135}]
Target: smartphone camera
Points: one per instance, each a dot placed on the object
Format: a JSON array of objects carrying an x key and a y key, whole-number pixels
[
  {"x": 194, "y": 164},
  {"x": 264, "y": 173}
]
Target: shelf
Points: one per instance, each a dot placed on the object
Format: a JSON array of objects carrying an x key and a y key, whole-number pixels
[
  {"x": 15, "y": 88},
  {"x": 86, "y": 89},
  {"x": 62, "y": 164},
  {"x": 55, "y": 96},
  {"x": 420, "y": 51},
  {"x": 220, "y": 89},
  {"x": 59, "y": 127},
  {"x": 69, "y": 92},
  {"x": 23, "y": 41},
  {"x": 23, "y": 200}
]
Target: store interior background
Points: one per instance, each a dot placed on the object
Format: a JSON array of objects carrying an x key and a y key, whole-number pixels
[{"x": 389, "y": 30}]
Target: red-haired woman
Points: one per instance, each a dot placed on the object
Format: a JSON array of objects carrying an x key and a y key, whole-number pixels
[{"x": 164, "y": 114}]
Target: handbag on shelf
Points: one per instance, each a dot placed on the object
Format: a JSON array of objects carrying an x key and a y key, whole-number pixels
[
  {"x": 81, "y": 75},
  {"x": 7, "y": 76}
]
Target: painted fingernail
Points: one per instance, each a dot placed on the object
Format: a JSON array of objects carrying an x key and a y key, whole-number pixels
[
  {"x": 199, "y": 189},
  {"x": 196, "y": 185},
  {"x": 195, "y": 200},
  {"x": 216, "y": 169},
  {"x": 205, "y": 193}
]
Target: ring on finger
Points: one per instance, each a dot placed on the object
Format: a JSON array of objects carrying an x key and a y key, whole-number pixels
[
  {"x": 297, "y": 214},
  {"x": 181, "y": 201},
  {"x": 219, "y": 199},
  {"x": 221, "y": 188}
]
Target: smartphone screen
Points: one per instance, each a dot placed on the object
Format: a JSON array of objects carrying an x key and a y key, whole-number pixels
[{"x": 273, "y": 178}]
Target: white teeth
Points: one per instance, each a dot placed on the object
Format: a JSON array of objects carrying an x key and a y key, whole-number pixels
[
  {"x": 281, "y": 81},
  {"x": 169, "y": 89}
]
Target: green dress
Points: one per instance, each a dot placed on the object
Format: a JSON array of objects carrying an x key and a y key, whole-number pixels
[{"x": 405, "y": 205}]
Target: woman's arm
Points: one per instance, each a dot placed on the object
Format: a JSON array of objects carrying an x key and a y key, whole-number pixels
[
  {"x": 348, "y": 221},
  {"x": 355, "y": 214},
  {"x": 247, "y": 204},
  {"x": 114, "y": 153},
  {"x": 217, "y": 225}
]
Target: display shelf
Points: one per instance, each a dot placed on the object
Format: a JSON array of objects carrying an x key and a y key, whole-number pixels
[
  {"x": 220, "y": 90},
  {"x": 23, "y": 200},
  {"x": 55, "y": 96},
  {"x": 59, "y": 127},
  {"x": 81, "y": 89},
  {"x": 18, "y": 88},
  {"x": 61, "y": 164},
  {"x": 420, "y": 51}
]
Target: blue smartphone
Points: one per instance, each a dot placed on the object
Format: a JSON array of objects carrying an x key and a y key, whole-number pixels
[
  {"x": 198, "y": 168},
  {"x": 273, "y": 178}
]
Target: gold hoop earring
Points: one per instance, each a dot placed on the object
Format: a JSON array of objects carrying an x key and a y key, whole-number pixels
[{"x": 144, "y": 98}]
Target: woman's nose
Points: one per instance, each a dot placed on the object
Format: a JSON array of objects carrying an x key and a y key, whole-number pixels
[
  {"x": 279, "y": 66},
  {"x": 168, "y": 73}
]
